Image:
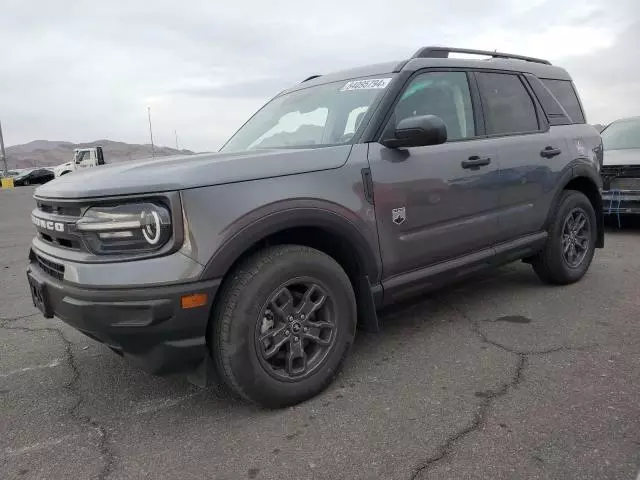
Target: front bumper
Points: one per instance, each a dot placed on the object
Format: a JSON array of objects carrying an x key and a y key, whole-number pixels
[
  {"x": 625, "y": 202},
  {"x": 147, "y": 325}
]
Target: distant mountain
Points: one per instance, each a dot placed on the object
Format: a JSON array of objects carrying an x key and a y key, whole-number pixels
[{"x": 49, "y": 153}]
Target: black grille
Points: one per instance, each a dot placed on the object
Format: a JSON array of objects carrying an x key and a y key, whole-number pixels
[
  {"x": 61, "y": 242},
  {"x": 620, "y": 177},
  {"x": 620, "y": 171},
  {"x": 66, "y": 210},
  {"x": 65, "y": 213},
  {"x": 622, "y": 183},
  {"x": 54, "y": 269}
]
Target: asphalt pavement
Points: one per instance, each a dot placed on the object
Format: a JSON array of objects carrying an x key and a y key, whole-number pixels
[{"x": 501, "y": 377}]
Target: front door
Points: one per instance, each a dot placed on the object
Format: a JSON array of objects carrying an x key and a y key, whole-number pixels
[{"x": 438, "y": 202}]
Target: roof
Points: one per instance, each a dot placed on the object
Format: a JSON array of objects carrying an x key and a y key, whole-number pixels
[
  {"x": 538, "y": 69},
  {"x": 423, "y": 59}
]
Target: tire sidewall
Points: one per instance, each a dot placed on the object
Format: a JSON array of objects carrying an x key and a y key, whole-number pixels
[
  {"x": 242, "y": 357},
  {"x": 571, "y": 201}
]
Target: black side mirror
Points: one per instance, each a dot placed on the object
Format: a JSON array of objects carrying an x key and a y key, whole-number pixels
[{"x": 418, "y": 131}]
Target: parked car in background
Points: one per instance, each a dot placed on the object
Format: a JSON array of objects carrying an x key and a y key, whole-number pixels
[
  {"x": 10, "y": 173},
  {"x": 621, "y": 167},
  {"x": 34, "y": 176}
]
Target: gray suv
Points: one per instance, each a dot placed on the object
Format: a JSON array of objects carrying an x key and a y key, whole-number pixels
[{"x": 253, "y": 266}]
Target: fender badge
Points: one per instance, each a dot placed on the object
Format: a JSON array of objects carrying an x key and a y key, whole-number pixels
[{"x": 398, "y": 215}]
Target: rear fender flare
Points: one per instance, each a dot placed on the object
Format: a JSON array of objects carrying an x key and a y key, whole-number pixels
[{"x": 580, "y": 169}]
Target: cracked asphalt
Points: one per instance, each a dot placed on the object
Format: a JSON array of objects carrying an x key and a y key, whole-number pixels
[{"x": 501, "y": 377}]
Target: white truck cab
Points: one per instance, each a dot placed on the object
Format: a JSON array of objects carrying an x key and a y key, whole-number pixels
[{"x": 82, "y": 158}]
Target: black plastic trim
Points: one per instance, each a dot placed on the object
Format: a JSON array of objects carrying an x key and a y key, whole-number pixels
[
  {"x": 147, "y": 324},
  {"x": 367, "y": 182},
  {"x": 579, "y": 169},
  {"x": 435, "y": 276},
  {"x": 286, "y": 219}
]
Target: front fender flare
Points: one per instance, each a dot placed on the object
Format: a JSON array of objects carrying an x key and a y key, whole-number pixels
[{"x": 335, "y": 223}]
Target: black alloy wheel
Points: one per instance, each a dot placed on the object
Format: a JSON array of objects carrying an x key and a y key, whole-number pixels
[{"x": 296, "y": 329}]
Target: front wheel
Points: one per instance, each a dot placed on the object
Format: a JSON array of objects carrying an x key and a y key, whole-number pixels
[
  {"x": 283, "y": 324},
  {"x": 570, "y": 246}
]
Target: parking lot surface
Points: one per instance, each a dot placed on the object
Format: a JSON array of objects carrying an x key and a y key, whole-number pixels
[{"x": 501, "y": 377}]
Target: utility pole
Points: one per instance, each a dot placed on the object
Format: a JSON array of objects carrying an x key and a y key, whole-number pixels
[
  {"x": 175, "y": 132},
  {"x": 4, "y": 157},
  {"x": 153, "y": 151}
]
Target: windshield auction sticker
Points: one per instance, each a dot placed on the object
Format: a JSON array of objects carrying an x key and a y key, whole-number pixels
[{"x": 368, "y": 84}]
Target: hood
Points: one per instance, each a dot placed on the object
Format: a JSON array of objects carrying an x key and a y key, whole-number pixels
[
  {"x": 627, "y": 156},
  {"x": 191, "y": 171}
]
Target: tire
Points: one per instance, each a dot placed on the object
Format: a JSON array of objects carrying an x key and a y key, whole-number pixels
[
  {"x": 552, "y": 264},
  {"x": 245, "y": 323}
]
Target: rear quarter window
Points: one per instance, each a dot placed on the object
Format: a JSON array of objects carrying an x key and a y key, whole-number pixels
[{"x": 566, "y": 95}]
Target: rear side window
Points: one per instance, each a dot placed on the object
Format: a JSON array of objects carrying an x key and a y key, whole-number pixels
[
  {"x": 508, "y": 107},
  {"x": 565, "y": 94}
]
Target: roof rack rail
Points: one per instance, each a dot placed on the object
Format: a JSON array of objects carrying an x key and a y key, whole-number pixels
[
  {"x": 310, "y": 78},
  {"x": 443, "y": 52}
]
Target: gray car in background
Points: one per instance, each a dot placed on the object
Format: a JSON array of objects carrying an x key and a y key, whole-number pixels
[
  {"x": 343, "y": 194},
  {"x": 621, "y": 169}
]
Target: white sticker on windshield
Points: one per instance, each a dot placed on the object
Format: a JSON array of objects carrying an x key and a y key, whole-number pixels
[{"x": 368, "y": 84}]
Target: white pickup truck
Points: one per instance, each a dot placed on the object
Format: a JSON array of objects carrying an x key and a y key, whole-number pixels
[{"x": 82, "y": 158}]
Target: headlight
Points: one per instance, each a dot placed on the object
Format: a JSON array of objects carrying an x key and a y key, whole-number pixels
[{"x": 127, "y": 228}]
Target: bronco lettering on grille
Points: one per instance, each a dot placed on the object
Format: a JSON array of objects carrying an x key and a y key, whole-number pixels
[{"x": 48, "y": 224}]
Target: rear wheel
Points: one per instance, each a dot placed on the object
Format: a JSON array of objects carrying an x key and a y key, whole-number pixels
[
  {"x": 570, "y": 246},
  {"x": 283, "y": 325}
]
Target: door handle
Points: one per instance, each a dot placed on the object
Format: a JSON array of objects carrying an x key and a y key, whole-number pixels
[
  {"x": 475, "y": 161},
  {"x": 549, "y": 152}
]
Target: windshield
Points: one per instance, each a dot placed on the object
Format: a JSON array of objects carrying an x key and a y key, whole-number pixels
[
  {"x": 322, "y": 115},
  {"x": 623, "y": 134}
]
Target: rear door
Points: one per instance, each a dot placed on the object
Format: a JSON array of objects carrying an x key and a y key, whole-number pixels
[
  {"x": 531, "y": 154},
  {"x": 438, "y": 202}
]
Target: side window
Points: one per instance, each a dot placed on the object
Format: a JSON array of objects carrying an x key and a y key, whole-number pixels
[
  {"x": 556, "y": 114},
  {"x": 508, "y": 107},
  {"x": 444, "y": 94},
  {"x": 565, "y": 94},
  {"x": 81, "y": 156}
]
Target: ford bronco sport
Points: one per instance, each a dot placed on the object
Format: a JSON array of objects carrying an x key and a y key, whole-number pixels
[{"x": 343, "y": 194}]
